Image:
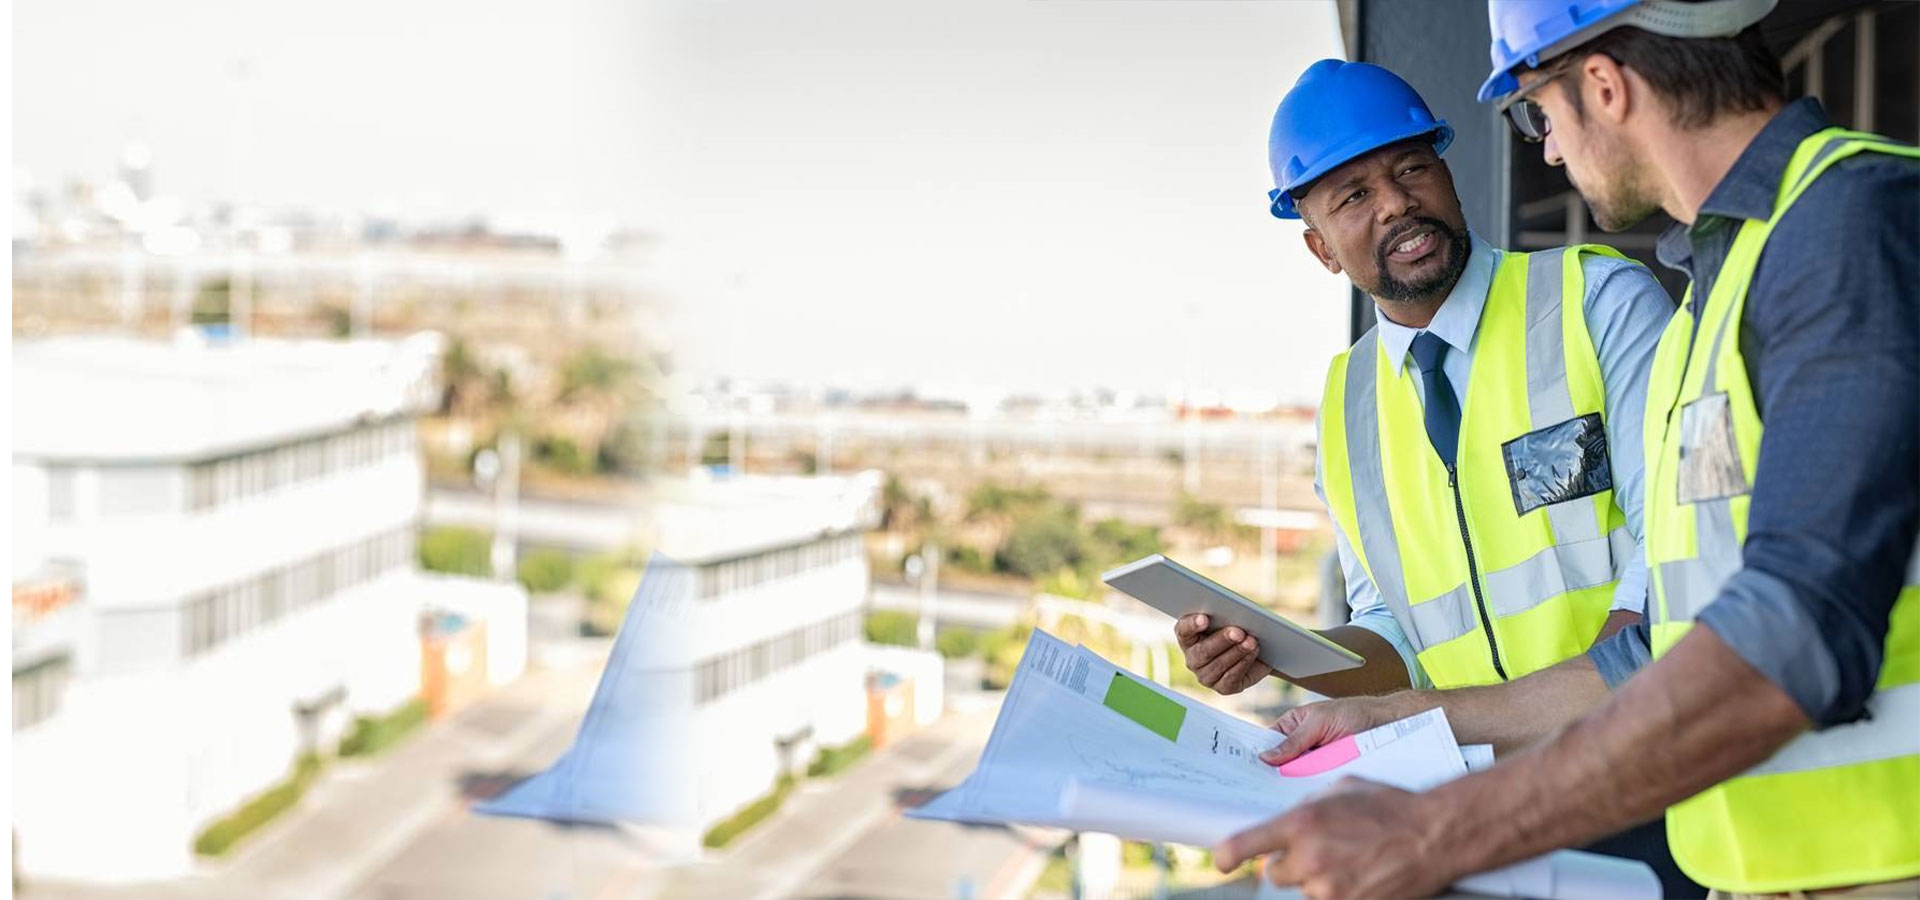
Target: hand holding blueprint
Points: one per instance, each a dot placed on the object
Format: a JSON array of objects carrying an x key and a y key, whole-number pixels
[{"x": 1085, "y": 745}]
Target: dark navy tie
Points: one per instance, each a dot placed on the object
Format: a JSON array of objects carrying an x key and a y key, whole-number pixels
[{"x": 1443, "y": 408}]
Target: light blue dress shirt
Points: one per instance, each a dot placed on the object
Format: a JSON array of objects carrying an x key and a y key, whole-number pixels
[{"x": 1626, "y": 311}]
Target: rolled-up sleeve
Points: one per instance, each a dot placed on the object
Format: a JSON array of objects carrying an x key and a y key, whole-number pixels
[
  {"x": 1832, "y": 336},
  {"x": 1626, "y": 652},
  {"x": 1627, "y": 311}
]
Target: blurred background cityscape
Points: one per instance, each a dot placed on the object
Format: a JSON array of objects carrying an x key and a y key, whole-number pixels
[
  {"x": 368, "y": 358},
  {"x": 363, "y": 355}
]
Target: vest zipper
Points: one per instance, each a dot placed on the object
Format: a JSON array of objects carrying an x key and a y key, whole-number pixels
[{"x": 1473, "y": 572}]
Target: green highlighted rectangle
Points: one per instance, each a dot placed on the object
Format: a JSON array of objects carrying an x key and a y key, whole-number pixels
[{"x": 1142, "y": 704}]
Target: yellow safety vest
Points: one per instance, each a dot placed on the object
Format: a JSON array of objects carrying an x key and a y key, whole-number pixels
[
  {"x": 1835, "y": 807},
  {"x": 1507, "y": 564}
]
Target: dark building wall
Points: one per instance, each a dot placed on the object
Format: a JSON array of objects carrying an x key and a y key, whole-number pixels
[
  {"x": 1440, "y": 47},
  {"x": 1862, "y": 50}
]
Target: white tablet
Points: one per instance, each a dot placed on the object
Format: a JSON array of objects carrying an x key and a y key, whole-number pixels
[{"x": 1176, "y": 590}]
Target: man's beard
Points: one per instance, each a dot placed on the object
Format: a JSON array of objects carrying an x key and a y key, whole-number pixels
[
  {"x": 1617, "y": 204},
  {"x": 1394, "y": 290},
  {"x": 1619, "y": 209}
]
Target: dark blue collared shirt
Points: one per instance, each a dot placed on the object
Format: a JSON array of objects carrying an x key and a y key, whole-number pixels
[{"x": 1831, "y": 338}]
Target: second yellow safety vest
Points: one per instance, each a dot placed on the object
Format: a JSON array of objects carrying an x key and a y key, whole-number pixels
[
  {"x": 1836, "y": 807},
  {"x": 1505, "y": 564}
]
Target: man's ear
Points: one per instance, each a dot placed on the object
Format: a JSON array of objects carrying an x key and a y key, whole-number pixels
[
  {"x": 1605, "y": 86},
  {"x": 1318, "y": 245}
]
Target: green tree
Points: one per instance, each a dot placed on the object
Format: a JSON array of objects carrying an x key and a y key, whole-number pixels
[{"x": 1042, "y": 544}]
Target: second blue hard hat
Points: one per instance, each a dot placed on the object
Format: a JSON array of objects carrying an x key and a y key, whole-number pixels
[
  {"x": 1336, "y": 112},
  {"x": 1527, "y": 32}
]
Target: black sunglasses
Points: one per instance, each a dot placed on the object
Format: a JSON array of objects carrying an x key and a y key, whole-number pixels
[{"x": 1526, "y": 117}]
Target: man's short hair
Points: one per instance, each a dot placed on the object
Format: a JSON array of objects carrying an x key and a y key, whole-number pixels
[{"x": 1701, "y": 79}]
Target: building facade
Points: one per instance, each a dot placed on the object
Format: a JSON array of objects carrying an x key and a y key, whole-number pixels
[
  {"x": 214, "y": 572},
  {"x": 780, "y": 582}
]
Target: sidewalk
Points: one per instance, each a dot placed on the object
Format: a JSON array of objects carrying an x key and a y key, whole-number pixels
[
  {"x": 360, "y": 814},
  {"x": 845, "y": 837}
]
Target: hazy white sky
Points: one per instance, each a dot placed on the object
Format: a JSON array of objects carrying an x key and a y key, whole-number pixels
[{"x": 1029, "y": 193}]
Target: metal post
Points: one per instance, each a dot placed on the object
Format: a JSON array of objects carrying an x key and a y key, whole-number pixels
[
  {"x": 1576, "y": 227},
  {"x": 360, "y": 323},
  {"x": 133, "y": 279},
  {"x": 929, "y": 596},
  {"x": 1863, "y": 81},
  {"x": 506, "y": 514}
]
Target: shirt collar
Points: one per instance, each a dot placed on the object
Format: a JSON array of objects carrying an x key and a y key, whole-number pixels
[
  {"x": 1458, "y": 318},
  {"x": 1751, "y": 186}
]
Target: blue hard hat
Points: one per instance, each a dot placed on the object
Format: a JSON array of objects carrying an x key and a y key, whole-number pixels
[
  {"x": 1523, "y": 28},
  {"x": 1338, "y": 111},
  {"x": 1526, "y": 30}
]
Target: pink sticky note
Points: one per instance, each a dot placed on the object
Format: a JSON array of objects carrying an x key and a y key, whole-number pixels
[{"x": 1320, "y": 759}]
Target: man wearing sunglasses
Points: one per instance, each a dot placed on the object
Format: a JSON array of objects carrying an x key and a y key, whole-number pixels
[
  {"x": 1771, "y": 708},
  {"x": 1480, "y": 447}
]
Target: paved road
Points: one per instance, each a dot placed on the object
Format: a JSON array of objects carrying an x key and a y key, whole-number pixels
[
  {"x": 399, "y": 828},
  {"x": 362, "y": 816},
  {"x": 847, "y": 838},
  {"x": 981, "y": 610}
]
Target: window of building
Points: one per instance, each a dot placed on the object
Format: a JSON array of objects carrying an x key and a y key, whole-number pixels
[
  {"x": 229, "y": 611},
  {"x": 39, "y": 690},
  {"x": 60, "y": 493}
]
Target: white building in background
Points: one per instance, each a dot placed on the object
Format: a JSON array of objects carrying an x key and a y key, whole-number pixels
[
  {"x": 213, "y": 573},
  {"x": 741, "y": 657},
  {"x": 780, "y": 583}
]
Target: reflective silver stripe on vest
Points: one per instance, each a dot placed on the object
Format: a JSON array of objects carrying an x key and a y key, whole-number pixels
[
  {"x": 1549, "y": 398},
  {"x": 1581, "y": 556},
  {"x": 1555, "y": 571},
  {"x": 1690, "y": 584},
  {"x": 1367, "y": 473},
  {"x": 1888, "y": 732},
  {"x": 1443, "y": 618}
]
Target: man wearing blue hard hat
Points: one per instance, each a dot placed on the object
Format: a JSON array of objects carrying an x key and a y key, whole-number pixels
[
  {"x": 1479, "y": 448},
  {"x": 1484, "y": 473},
  {"x": 1770, "y": 707}
]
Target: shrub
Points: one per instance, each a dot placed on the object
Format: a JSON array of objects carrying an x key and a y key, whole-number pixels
[
  {"x": 887, "y": 626},
  {"x": 1209, "y": 519},
  {"x": 992, "y": 498},
  {"x": 967, "y": 558},
  {"x": 457, "y": 551},
  {"x": 546, "y": 571},
  {"x": 371, "y": 735},
  {"x": 955, "y": 643},
  {"x": 1070, "y": 583},
  {"x": 1116, "y": 541},
  {"x": 223, "y": 834},
  {"x": 1002, "y": 649},
  {"x": 832, "y": 761},
  {"x": 723, "y": 833},
  {"x": 609, "y": 582},
  {"x": 562, "y": 455}
]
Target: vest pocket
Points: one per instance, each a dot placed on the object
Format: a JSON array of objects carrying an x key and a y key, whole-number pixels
[
  {"x": 1558, "y": 463},
  {"x": 1709, "y": 457}
]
